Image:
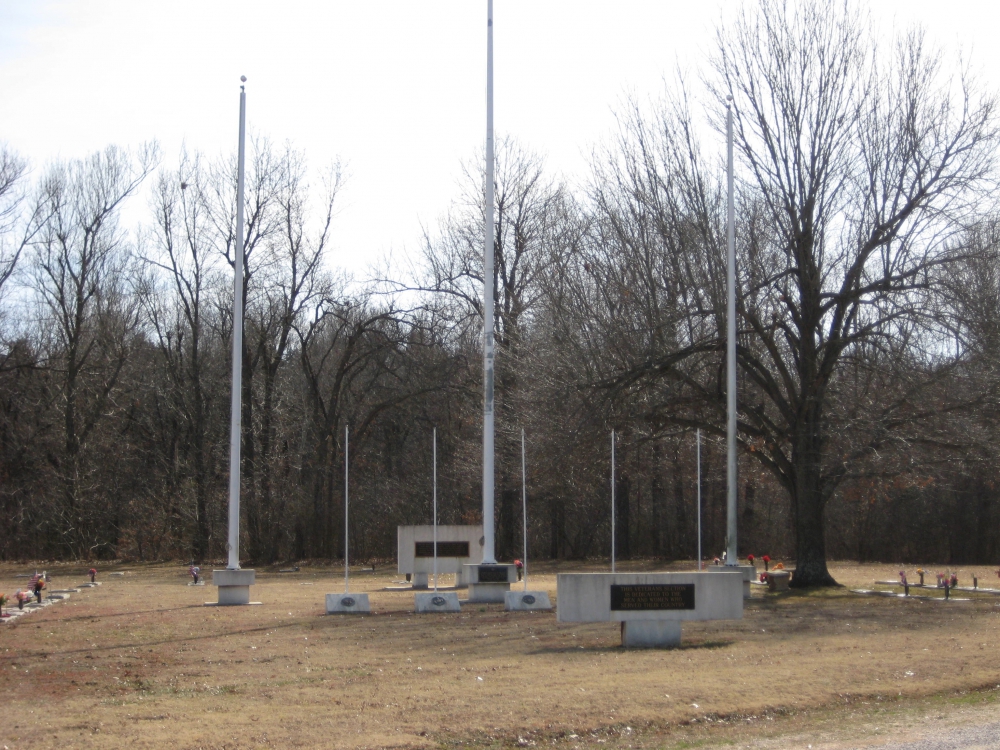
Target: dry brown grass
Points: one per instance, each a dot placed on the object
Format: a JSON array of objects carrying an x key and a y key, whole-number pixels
[{"x": 140, "y": 662}]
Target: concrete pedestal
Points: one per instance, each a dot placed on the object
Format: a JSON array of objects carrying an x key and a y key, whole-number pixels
[
  {"x": 420, "y": 580},
  {"x": 522, "y": 601},
  {"x": 651, "y": 606},
  {"x": 346, "y": 604},
  {"x": 436, "y": 601},
  {"x": 651, "y": 633},
  {"x": 234, "y": 586},
  {"x": 489, "y": 583},
  {"x": 749, "y": 574}
]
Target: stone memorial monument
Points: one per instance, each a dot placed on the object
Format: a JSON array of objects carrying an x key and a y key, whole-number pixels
[
  {"x": 457, "y": 546},
  {"x": 650, "y": 606}
]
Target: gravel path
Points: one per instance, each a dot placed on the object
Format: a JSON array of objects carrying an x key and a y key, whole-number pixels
[
  {"x": 954, "y": 728},
  {"x": 978, "y": 737}
]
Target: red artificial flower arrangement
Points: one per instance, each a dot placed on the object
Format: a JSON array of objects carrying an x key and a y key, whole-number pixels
[
  {"x": 767, "y": 560},
  {"x": 518, "y": 564},
  {"x": 750, "y": 559}
]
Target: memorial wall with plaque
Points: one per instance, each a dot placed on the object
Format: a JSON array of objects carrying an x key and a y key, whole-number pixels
[
  {"x": 493, "y": 574},
  {"x": 652, "y": 596},
  {"x": 444, "y": 549}
]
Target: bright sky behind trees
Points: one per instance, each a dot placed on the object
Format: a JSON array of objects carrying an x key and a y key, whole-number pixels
[{"x": 394, "y": 88}]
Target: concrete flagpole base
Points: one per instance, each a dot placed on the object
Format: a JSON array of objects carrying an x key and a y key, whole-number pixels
[
  {"x": 347, "y": 604},
  {"x": 436, "y": 601},
  {"x": 749, "y": 575},
  {"x": 234, "y": 587},
  {"x": 526, "y": 601},
  {"x": 489, "y": 583}
]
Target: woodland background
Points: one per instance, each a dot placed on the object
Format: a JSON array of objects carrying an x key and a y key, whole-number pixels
[{"x": 869, "y": 318}]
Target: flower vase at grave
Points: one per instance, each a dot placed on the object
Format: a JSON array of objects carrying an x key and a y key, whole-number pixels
[
  {"x": 921, "y": 574},
  {"x": 975, "y": 582},
  {"x": 767, "y": 561}
]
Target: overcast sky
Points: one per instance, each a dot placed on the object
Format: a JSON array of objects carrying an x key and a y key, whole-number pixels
[{"x": 394, "y": 88}]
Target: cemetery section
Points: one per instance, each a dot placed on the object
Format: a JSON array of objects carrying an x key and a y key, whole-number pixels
[{"x": 141, "y": 662}]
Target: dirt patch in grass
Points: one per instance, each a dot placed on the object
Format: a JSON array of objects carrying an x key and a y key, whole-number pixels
[{"x": 140, "y": 662}]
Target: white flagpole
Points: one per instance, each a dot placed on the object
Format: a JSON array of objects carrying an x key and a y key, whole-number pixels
[
  {"x": 489, "y": 556},
  {"x": 731, "y": 476},
  {"x": 612, "y": 501},
  {"x": 346, "y": 527},
  {"x": 698, "y": 452},
  {"x": 435, "y": 510},
  {"x": 236, "y": 402},
  {"x": 524, "y": 506}
]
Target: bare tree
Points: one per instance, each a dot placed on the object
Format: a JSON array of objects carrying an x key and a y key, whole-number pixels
[
  {"x": 532, "y": 227},
  {"x": 81, "y": 272},
  {"x": 186, "y": 253}
]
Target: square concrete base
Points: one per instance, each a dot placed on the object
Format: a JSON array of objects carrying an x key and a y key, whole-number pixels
[
  {"x": 440, "y": 601},
  {"x": 526, "y": 600},
  {"x": 234, "y": 585},
  {"x": 420, "y": 580},
  {"x": 489, "y": 582},
  {"x": 345, "y": 604},
  {"x": 651, "y": 633},
  {"x": 488, "y": 593}
]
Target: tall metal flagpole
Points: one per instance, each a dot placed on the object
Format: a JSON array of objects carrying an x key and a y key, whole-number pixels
[
  {"x": 612, "y": 501},
  {"x": 236, "y": 403},
  {"x": 698, "y": 453},
  {"x": 489, "y": 556},
  {"x": 346, "y": 526},
  {"x": 435, "y": 509},
  {"x": 731, "y": 477},
  {"x": 524, "y": 507}
]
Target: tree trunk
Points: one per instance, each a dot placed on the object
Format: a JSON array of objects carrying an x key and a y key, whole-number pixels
[{"x": 809, "y": 505}]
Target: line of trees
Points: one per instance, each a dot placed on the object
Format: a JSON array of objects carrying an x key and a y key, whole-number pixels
[{"x": 868, "y": 311}]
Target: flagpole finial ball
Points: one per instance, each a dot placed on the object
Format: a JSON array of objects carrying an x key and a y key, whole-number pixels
[
  {"x": 244, "y": 80},
  {"x": 729, "y": 97}
]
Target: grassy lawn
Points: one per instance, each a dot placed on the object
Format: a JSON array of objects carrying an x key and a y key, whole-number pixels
[{"x": 140, "y": 662}]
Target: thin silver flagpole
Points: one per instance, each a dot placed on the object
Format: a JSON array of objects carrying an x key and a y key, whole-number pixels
[
  {"x": 524, "y": 507},
  {"x": 346, "y": 526},
  {"x": 435, "y": 509},
  {"x": 236, "y": 402},
  {"x": 698, "y": 453},
  {"x": 731, "y": 477},
  {"x": 489, "y": 556},
  {"x": 612, "y": 501}
]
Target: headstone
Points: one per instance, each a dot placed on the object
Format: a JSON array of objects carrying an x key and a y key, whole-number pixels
[
  {"x": 347, "y": 604},
  {"x": 436, "y": 601},
  {"x": 777, "y": 580}
]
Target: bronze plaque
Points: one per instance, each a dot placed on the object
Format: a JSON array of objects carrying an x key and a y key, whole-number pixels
[
  {"x": 445, "y": 549},
  {"x": 492, "y": 574},
  {"x": 644, "y": 596}
]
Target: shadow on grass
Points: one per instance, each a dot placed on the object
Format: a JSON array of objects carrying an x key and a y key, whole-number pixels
[{"x": 703, "y": 645}]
